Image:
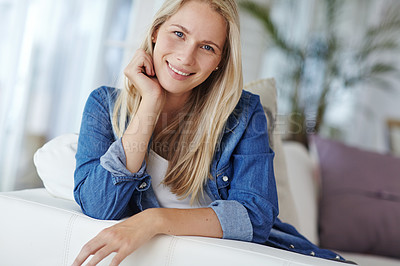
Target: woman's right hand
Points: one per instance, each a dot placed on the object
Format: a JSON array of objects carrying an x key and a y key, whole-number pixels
[{"x": 140, "y": 73}]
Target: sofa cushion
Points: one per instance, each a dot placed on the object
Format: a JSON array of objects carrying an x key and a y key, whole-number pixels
[
  {"x": 55, "y": 164},
  {"x": 301, "y": 170},
  {"x": 360, "y": 199}
]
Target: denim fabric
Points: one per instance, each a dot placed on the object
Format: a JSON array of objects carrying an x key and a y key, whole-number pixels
[{"x": 243, "y": 186}]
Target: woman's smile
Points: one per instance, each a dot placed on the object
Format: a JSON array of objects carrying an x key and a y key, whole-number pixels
[{"x": 177, "y": 71}]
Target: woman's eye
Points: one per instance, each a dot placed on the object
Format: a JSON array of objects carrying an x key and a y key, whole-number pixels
[
  {"x": 208, "y": 48},
  {"x": 179, "y": 34}
]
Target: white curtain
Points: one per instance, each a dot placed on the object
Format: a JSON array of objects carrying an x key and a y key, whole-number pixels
[{"x": 52, "y": 55}]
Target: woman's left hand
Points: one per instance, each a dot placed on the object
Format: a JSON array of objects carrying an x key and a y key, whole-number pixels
[{"x": 122, "y": 238}]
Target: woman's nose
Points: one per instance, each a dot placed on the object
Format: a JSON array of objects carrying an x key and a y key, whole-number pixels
[{"x": 187, "y": 55}]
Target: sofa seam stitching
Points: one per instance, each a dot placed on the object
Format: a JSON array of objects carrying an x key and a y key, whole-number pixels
[
  {"x": 67, "y": 239},
  {"x": 171, "y": 249}
]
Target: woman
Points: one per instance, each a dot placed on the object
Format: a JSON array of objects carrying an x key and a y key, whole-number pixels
[{"x": 181, "y": 150}]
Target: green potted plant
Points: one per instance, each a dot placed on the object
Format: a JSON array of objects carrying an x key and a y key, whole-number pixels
[{"x": 363, "y": 60}]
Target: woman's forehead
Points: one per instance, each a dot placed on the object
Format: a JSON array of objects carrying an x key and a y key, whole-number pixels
[{"x": 200, "y": 18}]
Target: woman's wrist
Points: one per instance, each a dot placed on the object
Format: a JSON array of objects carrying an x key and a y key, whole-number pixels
[
  {"x": 154, "y": 102},
  {"x": 195, "y": 222},
  {"x": 146, "y": 116},
  {"x": 157, "y": 218}
]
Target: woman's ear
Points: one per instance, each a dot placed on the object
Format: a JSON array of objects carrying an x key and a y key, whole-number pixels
[{"x": 154, "y": 36}]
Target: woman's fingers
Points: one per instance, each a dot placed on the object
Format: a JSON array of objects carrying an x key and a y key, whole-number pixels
[
  {"x": 123, "y": 238},
  {"x": 148, "y": 65},
  {"x": 120, "y": 256},
  {"x": 88, "y": 249},
  {"x": 113, "y": 239},
  {"x": 141, "y": 63},
  {"x": 101, "y": 254},
  {"x": 141, "y": 74}
]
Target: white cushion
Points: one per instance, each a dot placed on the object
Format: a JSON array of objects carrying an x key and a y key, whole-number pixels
[
  {"x": 302, "y": 181},
  {"x": 55, "y": 164}
]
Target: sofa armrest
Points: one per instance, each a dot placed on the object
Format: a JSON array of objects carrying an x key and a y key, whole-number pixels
[{"x": 39, "y": 229}]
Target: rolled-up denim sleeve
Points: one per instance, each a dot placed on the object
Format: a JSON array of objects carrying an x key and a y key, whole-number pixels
[
  {"x": 103, "y": 187},
  {"x": 231, "y": 228},
  {"x": 114, "y": 161}
]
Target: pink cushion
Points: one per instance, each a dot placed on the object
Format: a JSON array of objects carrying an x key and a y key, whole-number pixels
[{"x": 360, "y": 199}]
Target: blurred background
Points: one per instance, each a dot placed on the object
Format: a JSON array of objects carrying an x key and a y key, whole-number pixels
[{"x": 336, "y": 64}]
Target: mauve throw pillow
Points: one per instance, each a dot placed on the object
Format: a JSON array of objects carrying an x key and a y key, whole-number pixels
[{"x": 360, "y": 199}]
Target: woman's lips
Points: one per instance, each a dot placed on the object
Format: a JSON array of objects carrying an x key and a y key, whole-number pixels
[
  {"x": 177, "y": 74},
  {"x": 177, "y": 71}
]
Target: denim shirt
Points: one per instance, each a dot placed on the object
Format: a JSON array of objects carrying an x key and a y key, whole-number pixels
[{"x": 242, "y": 187}]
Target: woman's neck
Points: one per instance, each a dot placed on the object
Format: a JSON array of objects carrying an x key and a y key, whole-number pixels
[
  {"x": 175, "y": 102},
  {"x": 173, "y": 107}
]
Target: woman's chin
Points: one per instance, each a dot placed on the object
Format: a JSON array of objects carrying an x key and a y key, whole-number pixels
[{"x": 176, "y": 88}]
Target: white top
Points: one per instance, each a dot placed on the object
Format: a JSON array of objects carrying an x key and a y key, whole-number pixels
[{"x": 157, "y": 169}]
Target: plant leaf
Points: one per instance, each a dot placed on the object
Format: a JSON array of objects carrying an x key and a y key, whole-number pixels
[
  {"x": 381, "y": 68},
  {"x": 382, "y": 83},
  {"x": 383, "y": 45},
  {"x": 263, "y": 14}
]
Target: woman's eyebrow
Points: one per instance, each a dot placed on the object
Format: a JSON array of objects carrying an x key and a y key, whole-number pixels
[
  {"x": 182, "y": 28},
  {"x": 185, "y": 30}
]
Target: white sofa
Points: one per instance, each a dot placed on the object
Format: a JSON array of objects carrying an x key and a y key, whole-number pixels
[
  {"x": 46, "y": 227},
  {"x": 40, "y": 229}
]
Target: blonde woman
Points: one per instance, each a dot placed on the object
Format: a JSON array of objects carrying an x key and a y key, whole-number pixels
[{"x": 181, "y": 150}]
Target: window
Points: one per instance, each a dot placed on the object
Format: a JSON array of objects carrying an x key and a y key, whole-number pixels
[{"x": 55, "y": 54}]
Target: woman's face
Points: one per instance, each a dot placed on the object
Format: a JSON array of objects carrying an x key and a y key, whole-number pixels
[{"x": 188, "y": 47}]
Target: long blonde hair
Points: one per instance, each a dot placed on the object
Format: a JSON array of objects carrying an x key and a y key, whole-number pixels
[{"x": 196, "y": 134}]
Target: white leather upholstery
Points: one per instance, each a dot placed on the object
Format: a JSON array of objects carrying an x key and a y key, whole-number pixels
[
  {"x": 38, "y": 229},
  {"x": 370, "y": 260}
]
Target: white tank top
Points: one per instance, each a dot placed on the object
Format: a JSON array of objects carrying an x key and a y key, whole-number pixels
[{"x": 157, "y": 169}]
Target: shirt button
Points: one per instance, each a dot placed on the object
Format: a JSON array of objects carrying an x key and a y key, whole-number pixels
[
  {"x": 225, "y": 178},
  {"x": 143, "y": 185},
  {"x": 337, "y": 257},
  {"x": 312, "y": 253},
  {"x": 291, "y": 246}
]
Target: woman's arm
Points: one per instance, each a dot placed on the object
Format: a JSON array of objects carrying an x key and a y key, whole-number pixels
[
  {"x": 109, "y": 172},
  {"x": 127, "y": 236},
  {"x": 137, "y": 136},
  {"x": 101, "y": 192},
  {"x": 140, "y": 72},
  {"x": 194, "y": 222}
]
